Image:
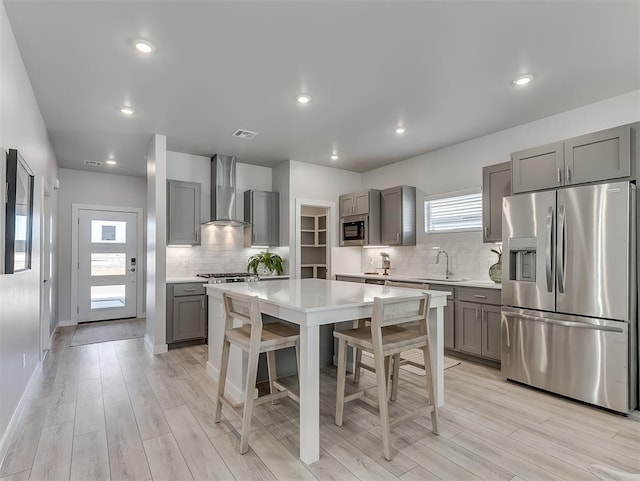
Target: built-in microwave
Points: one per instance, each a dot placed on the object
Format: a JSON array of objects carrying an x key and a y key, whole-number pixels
[{"x": 354, "y": 230}]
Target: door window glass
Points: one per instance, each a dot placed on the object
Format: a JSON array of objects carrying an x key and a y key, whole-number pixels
[
  {"x": 108, "y": 232},
  {"x": 105, "y": 297},
  {"x": 108, "y": 264}
]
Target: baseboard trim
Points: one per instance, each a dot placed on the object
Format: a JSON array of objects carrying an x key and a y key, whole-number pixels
[
  {"x": 67, "y": 322},
  {"x": 231, "y": 391},
  {"x": 152, "y": 348},
  {"x": 10, "y": 432}
]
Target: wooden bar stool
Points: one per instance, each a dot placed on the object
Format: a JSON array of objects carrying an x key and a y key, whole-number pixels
[
  {"x": 253, "y": 337},
  {"x": 389, "y": 335}
]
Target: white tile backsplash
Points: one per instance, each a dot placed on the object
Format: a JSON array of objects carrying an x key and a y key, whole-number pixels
[
  {"x": 468, "y": 256},
  {"x": 222, "y": 250}
]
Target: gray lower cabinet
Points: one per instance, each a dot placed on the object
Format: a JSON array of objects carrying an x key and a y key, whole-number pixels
[
  {"x": 496, "y": 184},
  {"x": 262, "y": 211},
  {"x": 593, "y": 157},
  {"x": 186, "y": 312},
  {"x": 359, "y": 280},
  {"x": 183, "y": 213},
  {"x": 478, "y": 322}
]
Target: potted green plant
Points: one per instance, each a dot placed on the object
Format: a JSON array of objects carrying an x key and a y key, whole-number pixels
[
  {"x": 495, "y": 271},
  {"x": 265, "y": 263}
]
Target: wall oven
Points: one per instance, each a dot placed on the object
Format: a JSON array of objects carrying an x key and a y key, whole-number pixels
[{"x": 354, "y": 230}]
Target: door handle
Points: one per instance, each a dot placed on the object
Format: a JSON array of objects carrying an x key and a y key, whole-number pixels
[
  {"x": 580, "y": 325},
  {"x": 133, "y": 269},
  {"x": 560, "y": 248},
  {"x": 547, "y": 250}
]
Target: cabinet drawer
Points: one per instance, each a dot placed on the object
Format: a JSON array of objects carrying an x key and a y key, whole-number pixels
[
  {"x": 484, "y": 296},
  {"x": 188, "y": 290}
]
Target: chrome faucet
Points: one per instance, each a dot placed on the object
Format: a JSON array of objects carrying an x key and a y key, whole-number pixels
[{"x": 447, "y": 272}]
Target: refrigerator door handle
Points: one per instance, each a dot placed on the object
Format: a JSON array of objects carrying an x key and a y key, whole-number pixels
[
  {"x": 547, "y": 250},
  {"x": 580, "y": 325},
  {"x": 561, "y": 248}
]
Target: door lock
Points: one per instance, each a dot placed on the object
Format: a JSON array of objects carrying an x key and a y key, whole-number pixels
[{"x": 133, "y": 269}]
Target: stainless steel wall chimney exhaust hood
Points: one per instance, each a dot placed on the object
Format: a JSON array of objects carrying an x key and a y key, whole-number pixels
[{"x": 223, "y": 191}]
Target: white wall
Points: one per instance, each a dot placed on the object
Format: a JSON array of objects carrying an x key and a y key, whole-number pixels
[
  {"x": 156, "y": 335},
  {"x": 82, "y": 187},
  {"x": 22, "y": 128},
  {"x": 222, "y": 248},
  {"x": 316, "y": 182},
  {"x": 459, "y": 167}
]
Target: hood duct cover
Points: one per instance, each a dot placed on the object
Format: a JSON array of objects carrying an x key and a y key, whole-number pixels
[{"x": 223, "y": 191}]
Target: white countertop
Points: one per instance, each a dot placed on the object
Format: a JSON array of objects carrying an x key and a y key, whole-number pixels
[
  {"x": 183, "y": 280},
  {"x": 309, "y": 295},
  {"x": 428, "y": 280}
]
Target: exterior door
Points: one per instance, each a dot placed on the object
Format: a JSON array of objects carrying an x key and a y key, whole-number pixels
[{"x": 107, "y": 263}]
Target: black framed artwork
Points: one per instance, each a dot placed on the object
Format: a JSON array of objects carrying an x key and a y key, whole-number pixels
[{"x": 19, "y": 214}]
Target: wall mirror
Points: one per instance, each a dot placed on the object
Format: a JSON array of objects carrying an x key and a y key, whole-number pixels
[{"x": 19, "y": 214}]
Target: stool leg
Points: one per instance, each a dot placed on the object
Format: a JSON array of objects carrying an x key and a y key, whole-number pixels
[
  {"x": 222, "y": 379},
  {"x": 395, "y": 377},
  {"x": 252, "y": 372},
  {"x": 273, "y": 372},
  {"x": 381, "y": 378},
  {"x": 356, "y": 365},
  {"x": 342, "y": 373},
  {"x": 430, "y": 391}
]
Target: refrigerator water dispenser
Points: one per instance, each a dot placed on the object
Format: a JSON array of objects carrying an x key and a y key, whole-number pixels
[{"x": 522, "y": 259}]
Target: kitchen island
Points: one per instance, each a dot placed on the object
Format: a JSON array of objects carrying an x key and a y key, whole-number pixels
[{"x": 311, "y": 303}]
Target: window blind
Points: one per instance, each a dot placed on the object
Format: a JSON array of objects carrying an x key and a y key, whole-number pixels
[{"x": 454, "y": 213}]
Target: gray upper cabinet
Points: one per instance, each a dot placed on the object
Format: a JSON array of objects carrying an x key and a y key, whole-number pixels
[
  {"x": 537, "y": 168},
  {"x": 183, "y": 213},
  {"x": 496, "y": 184},
  {"x": 357, "y": 203},
  {"x": 398, "y": 215},
  {"x": 589, "y": 158},
  {"x": 262, "y": 210},
  {"x": 598, "y": 156}
]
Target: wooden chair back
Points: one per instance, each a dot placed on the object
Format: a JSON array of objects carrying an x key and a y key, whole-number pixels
[
  {"x": 410, "y": 285},
  {"x": 393, "y": 311},
  {"x": 244, "y": 308}
]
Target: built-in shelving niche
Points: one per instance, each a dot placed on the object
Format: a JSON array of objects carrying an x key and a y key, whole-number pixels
[{"x": 313, "y": 242}]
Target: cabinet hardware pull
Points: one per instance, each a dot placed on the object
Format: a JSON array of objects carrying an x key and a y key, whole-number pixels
[
  {"x": 202, "y": 302},
  {"x": 397, "y": 236},
  {"x": 189, "y": 290},
  {"x": 486, "y": 231},
  {"x": 559, "y": 175},
  {"x": 479, "y": 296},
  {"x": 477, "y": 314},
  {"x": 567, "y": 175}
]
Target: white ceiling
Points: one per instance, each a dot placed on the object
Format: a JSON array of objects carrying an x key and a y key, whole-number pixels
[{"x": 442, "y": 68}]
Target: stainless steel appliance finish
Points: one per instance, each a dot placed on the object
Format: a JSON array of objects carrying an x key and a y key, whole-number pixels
[
  {"x": 223, "y": 191},
  {"x": 354, "y": 230},
  {"x": 579, "y": 357},
  {"x": 570, "y": 315},
  {"x": 226, "y": 277}
]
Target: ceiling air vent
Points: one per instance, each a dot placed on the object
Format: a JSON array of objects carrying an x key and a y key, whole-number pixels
[
  {"x": 93, "y": 163},
  {"x": 244, "y": 134}
]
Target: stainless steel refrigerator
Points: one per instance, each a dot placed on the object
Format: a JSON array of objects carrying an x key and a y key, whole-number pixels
[{"x": 569, "y": 295}]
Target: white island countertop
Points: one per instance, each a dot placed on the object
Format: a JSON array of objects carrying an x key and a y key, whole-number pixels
[
  {"x": 184, "y": 280},
  {"x": 425, "y": 279},
  {"x": 311, "y": 303}
]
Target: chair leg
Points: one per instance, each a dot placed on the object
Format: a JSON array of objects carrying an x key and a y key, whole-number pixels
[
  {"x": 357, "y": 363},
  {"x": 342, "y": 374},
  {"x": 273, "y": 372},
  {"x": 222, "y": 379},
  {"x": 395, "y": 377},
  {"x": 298, "y": 357},
  {"x": 252, "y": 372},
  {"x": 383, "y": 406},
  {"x": 430, "y": 391}
]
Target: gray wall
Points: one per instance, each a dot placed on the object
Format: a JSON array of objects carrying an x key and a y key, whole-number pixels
[
  {"x": 22, "y": 128},
  {"x": 82, "y": 187}
]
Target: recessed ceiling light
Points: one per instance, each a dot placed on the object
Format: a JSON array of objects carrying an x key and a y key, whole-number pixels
[
  {"x": 523, "y": 80},
  {"x": 334, "y": 156},
  {"x": 111, "y": 162},
  {"x": 144, "y": 46},
  {"x": 126, "y": 110},
  {"x": 303, "y": 98},
  {"x": 400, "y": 130}
]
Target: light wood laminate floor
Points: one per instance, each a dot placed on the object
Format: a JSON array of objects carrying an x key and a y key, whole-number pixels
[{"x": 114, "y": 411}]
